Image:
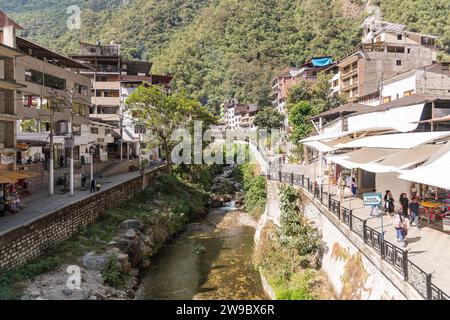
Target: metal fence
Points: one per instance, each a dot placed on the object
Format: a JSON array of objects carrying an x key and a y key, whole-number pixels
[{"x": 395, "y": 256}]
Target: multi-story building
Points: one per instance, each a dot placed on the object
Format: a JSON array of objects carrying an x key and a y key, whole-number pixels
[
  {"x": 387, "y": 50},
  {"x": 8, "y": 85},
  {"x": 113, "y": 79},
  {"x": 290, "y": 76},
  {"x": 433, "y": 79},
  {"x": 238, "y": 115}
]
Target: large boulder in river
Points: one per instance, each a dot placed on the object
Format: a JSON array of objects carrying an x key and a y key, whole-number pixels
[
  {"x": 135, "y": 224},
  {"x": 216, "y": 203},
  {"x": 93, "y": 261},
  {"x": 227, "y": 198}
]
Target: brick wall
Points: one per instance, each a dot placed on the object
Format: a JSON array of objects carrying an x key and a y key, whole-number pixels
[{"x": 30, "y": 241}]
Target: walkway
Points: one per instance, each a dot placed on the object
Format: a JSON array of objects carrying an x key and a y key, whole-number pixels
[
  {"x": 39, "y": 204},
  {"x": 427, "y": 247}
]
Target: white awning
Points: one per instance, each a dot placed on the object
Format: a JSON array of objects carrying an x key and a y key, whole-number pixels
[
  {"x": 321, "y": 147},
  {"x": 402, "y": 160},
  {"x": 332, "y": 136},
  {"x": 438, "y": 176},
  {"x": 395, "y": 141},
  {"x": 435, "y": 172},
  {"x": 356, "y": 159},
  {"x": 403, "y": 119}
]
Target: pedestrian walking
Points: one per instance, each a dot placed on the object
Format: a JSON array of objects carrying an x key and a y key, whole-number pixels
[
  {"x": 404, "y": 201},
  {"x": 389, "y": 202},
  {"x": 414, "y": 212},
  {"x": 93, "y": 186},
  {"x": 354, "y": 188},
  {"x": 401, "y": 229}
]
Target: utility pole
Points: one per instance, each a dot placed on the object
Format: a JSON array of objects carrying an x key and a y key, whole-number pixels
[
  {"x": 51, "y": 101},
  {"x": 72, "y": 142}
]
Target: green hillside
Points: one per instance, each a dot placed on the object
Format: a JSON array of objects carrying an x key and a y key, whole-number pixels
[{"x": 221, "y": 48}]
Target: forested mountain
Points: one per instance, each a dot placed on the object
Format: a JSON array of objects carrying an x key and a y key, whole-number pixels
[{"x": 221, "y": 48}]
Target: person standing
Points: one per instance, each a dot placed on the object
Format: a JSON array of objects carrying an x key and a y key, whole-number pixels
[
  {"x": 61, "y": 161},
  {"x": 404, "y": 201},
  {"x": 354, "y": 186},
  {"x": 93, "y": 186},
  {"x": 389, "y": 202},
  {"x": 400, "y": 227},
  {"x": 414, "y": 212}
]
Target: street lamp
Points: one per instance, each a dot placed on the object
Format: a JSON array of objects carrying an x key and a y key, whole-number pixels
[
  {"x": 92, "y": 152},
  {"x": 141, "y": 128}
]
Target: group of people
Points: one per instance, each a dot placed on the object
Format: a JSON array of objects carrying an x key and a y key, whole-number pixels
[{"x": 408, "y": 212}]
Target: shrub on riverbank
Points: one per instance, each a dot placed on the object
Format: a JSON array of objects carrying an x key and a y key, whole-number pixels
[
  {"x": 289, "y": 256},
  {"x": 254, "y": 186}
]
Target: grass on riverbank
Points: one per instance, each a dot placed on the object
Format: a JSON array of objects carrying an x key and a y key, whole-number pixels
[
  {"x": 254, "y": 186},
  {"x": 169, "y": 198}
]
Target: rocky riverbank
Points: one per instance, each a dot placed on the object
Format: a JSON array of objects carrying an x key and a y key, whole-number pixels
[{"x": 114, "y": 271}]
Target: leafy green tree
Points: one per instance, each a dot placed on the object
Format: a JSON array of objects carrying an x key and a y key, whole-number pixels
[
  {"x": 163, "y": 113},
  {"x": 269, "y": 118}
]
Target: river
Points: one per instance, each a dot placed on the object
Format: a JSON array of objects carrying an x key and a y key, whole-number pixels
[{"x": 211, "y": 260}]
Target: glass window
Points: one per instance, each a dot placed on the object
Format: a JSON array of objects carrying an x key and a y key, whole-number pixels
[
  {"x": 34, "y": 76},
  {"x": 94, "y": 130},
  {"x": 54, "y": 82}
]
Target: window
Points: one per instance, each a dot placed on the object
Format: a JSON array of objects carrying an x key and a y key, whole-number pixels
[
  {"x": 398, "y": 62},
  {"x": 76, "y": 129},
  {"x": 79, "y": 109},
  {"x": 409, "y": 50},
  {"x": 386, "y": 99},
  {"x": 94, "y": 130},
  {"x": 79, "y": 88},
  {"x": 396, "y": 49},
  {"x": 399, "y": 37},
  {"x": 408, "y": 93},
  {"x": 336, "y": 83},
  {"x": 54, "y": 82},
  {"x": 34, "y": 76}
]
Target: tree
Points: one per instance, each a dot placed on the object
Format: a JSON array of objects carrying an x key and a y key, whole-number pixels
[
  {"x": 163, "y": 113},
  {"x": 269, "y": 119}
]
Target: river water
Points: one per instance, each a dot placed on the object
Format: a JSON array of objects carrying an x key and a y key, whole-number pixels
[{"x": 211, "y": 260}]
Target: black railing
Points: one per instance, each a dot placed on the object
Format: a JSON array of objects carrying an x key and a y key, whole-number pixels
[
  {"x": 419, "y": 279},
  {"x": 398, "y": 258},
  {"x": 346, "y": 216},
  {"x": 438, "y": 294},
  {"x": 395, "y": 256},
  {"x": 357, "y": 225},
  {"x": 372, "y": 238}
]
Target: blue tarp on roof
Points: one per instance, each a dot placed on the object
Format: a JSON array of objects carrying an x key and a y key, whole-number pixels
[{"x": 321, "y": 62}]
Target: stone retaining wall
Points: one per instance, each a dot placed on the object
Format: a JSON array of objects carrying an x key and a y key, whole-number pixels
[{"x": 29, "y": 241}]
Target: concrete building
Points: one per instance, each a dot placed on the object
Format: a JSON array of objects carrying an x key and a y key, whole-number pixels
[
  {"x": 291, "y": 76},
  {"x": 113, "y": 79},
  {"x": 387, "y": 50},
  {"x": 238, "y": 115},
  {"x": 432, "y": 79},
  {"x": 8, "y": 85}
]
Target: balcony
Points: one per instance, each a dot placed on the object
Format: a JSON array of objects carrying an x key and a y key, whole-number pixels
[
  {"x": 107, "y": 85},
  {"x": 106, "y": 101}
]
